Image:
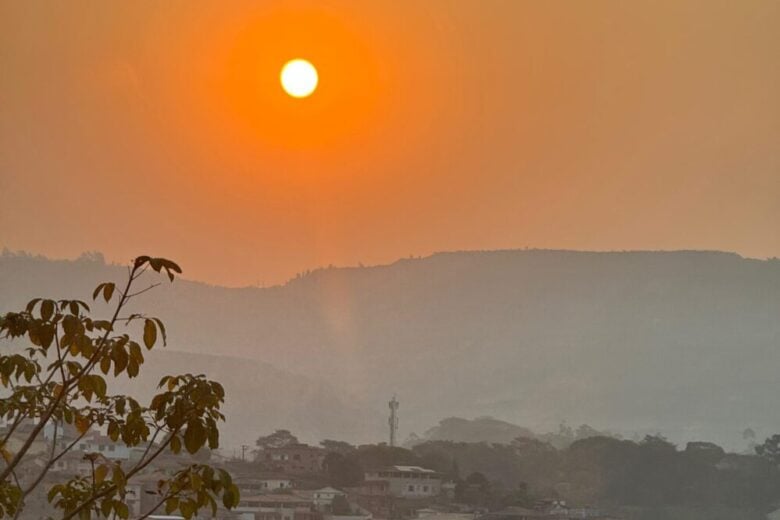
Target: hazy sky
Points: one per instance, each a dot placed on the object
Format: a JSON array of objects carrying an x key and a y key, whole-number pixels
[{"x": 160, "y": 128}]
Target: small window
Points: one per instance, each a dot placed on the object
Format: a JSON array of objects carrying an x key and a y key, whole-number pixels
[
  {"x": 425, "y": 489},
  {"x": 410, "y": 488}
]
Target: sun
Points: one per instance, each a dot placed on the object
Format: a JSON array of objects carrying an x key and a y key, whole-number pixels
[{"x": 299, "y": 78}]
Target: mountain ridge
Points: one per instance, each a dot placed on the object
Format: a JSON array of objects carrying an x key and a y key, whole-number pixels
[{"x": 680, "y": 341}]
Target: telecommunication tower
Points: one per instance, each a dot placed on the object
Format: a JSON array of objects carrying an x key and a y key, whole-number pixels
[{"x": 393, "y": 421}]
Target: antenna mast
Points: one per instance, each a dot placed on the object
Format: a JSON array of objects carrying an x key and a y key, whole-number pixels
[{"x": 393, "y": 421}]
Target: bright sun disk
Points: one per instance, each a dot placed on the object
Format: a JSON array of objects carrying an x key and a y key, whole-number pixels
[{"x": 299, "y": 78}]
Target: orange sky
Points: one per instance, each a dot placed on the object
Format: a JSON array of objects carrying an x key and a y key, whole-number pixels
[{"x": 160, "y": 127}]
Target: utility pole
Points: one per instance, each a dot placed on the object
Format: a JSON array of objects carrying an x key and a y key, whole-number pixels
[
  {"x": 393, "y": 421},
  {"x": 244, "y": 447}
]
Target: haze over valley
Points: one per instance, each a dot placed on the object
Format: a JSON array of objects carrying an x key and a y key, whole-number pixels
[{"x": 681, "y": 343}]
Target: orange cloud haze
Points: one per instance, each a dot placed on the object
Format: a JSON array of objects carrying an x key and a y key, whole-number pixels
[{"x": 438, "y": 125}]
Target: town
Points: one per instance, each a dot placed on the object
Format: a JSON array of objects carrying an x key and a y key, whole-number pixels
[
  {"x": 284, "y": 479},
  {"x": 281, "y": 478}
]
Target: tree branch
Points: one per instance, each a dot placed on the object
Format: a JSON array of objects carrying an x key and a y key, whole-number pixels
[
  {"x": 66, "y": 388},
  {"x": 140, "y": 465},
  {"x": 158, "y": 505}
]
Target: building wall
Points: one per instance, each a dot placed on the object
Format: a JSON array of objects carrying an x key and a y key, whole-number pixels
[
  {"x": 116, "y": 451},
  {"x": 294, "y": 459},
  {"x": 409, "y": 485}
]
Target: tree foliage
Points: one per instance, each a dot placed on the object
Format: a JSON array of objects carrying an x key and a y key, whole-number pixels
[
  {"x": 278, "y": 439},
  {"x": 56, "y": 369}
]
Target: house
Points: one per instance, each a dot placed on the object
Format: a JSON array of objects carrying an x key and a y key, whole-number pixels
[
  {"x": 408, "y": 481},
  {"x": 259, "y": 483},
  {"x": 20, "y": 435},
  {"x": 550, "y": 510},
  {"x": 72, "y": 463},
  {"x": 513, "y": 513},
  {"x": 276, "y": 507},
  {"x": 448, "y": 489},
  {"x": 374, "y": 496},
  {"x": 323, "y": 498},
  {"x": 95, "y": 442},
  {"x": 295, "y": 459}
]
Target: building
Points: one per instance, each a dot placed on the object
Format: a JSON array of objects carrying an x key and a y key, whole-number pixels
[
  {"x": 373, "y": 496},
  {"x": 551, "y": 510},
  {"x": 276, "y": 507},
  {"x": 295, "y": 459},
  {"x": 408, "y": 481},
  {"x": 72, "y": 463},
  {"x": 20, "y": 435},
  {"x": 263, "y": 483},
  {"x": 323, "y": 498},
  {"x": 95, "y": 442}
]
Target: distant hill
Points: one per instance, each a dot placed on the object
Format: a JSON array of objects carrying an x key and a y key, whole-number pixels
[
  {"x": 685, "y": 342},
  {"x": 481, "y": 429},
  {"x": 261, "y": 399}
]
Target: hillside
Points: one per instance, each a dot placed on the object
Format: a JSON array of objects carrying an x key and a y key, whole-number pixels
[
  {"x": 680, "y": 342},
  {"x": 481, "y": 429}
]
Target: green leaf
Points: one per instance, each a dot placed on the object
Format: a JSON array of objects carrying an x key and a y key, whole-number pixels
[
  {"x": 120, "y": 357},
  {"x": 169, "y": 264},
  {"x": 105, "y": 364},
  {"x": 47, "y": 309},
  {"x": 32, "y": 303},
  {"x": 100, "y": 474},
  {"x": 176, "y": 444},
  {"x": 99, "y": 385},
  {"x": 156, "y": 263},
  {"x": 227, "y": 498},
  {"x": 187, "y": 509},
  {"x": 132, "y": 368},
  {"x": 119, "y": 478},
  {"x": 135, "y": 352},
  {"x": 171, "y": 505},
  {"x": 108, "y": 291},
  {"x": 194, "y": 437},
  {"x": 150, "y": 333},
  {"x": 161, "y": 326},
  {"x": 106, "y": 506},
  {"x": 82, "y": 424}
]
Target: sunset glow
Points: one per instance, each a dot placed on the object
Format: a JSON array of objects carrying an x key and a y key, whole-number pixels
[
  {"x": 433, "y": 126},
  {"x": 483, "y": 260}
]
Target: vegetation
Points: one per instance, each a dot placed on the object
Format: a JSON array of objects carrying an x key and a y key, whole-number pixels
[
  {"x": 610, "y": 472},
  {"x": 648, "y": 477},
  {"x": 278, "y": 439},
  {"x": 56, "y": 369}
]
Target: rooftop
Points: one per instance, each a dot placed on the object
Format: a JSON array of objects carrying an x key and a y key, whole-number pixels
[
  {"x": 276, "y": 498},
  {"x": 404, "y": 469}
]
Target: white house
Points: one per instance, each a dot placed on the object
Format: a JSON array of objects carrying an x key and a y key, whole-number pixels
[
  {"x": 276, "y": 507},
  {"x": 323, "y": 498},
  {"x": 94, "y": 442},
  {"x": 408, "y": 481},
  {"x": 263, "y": 483}
]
